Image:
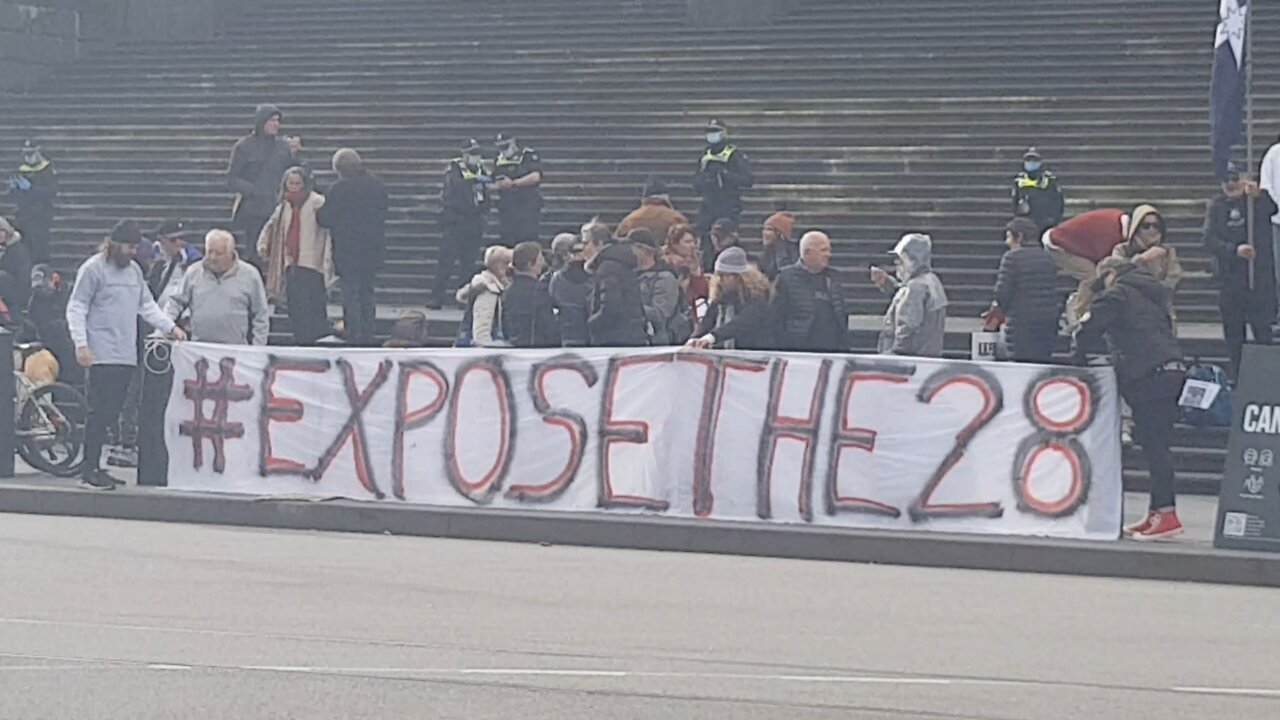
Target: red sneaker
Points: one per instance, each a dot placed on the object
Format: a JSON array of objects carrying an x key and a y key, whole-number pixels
[
  {"x": 1141, "y": 526},
  {"x": 1164, "y": 525}
]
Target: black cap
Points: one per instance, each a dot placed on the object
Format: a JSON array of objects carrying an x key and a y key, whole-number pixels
[
  {"x": 169, "y": 227},
  {"x": 654, "y": 186},
  {"x": 724, "y": 226},
  {"x": 471, "y": 146},
  {"x": 30, "y": 145},
  {"x": 1031, "y": 154},
  {"x": 126, "y": 232},
  {"x": 503, "y": 139},
  {"x": 716, "y": 126},
  {"x": 1234, "y": 172},
  {"x": 642, "y": 236}
]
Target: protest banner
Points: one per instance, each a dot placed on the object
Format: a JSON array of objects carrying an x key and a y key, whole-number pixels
[{"x": 853, "y": 441}]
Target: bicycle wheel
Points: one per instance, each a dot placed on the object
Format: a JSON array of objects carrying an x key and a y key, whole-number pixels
[{"x": 51, "y": 429}]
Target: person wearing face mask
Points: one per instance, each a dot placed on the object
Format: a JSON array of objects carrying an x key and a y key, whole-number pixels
[
  {"x": 34, "y": 189},
  {"x": 916, "y": 322},
  {"x": 1146, "y": 248},
  {"x": 517, "y": 177},
  {"x": 1244, "y": 272},
  {"x": 724, "y": 172},
  {"x": 1036, "y": 193},
  {"x": 109, "y": 296},
  {"x": 464, "y": 200}
]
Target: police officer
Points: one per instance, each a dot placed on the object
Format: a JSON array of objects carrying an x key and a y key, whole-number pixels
[
  {"x": 517, "y": 175},
  {"x": 723, "y": 173},
  {"x": 1036, "y": 194},
  {"x": 464, "y": 200},
  {"x": 34, "y": 189}
]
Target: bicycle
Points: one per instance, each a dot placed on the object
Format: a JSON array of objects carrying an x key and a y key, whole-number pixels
[{"x": 49, "y": 421}]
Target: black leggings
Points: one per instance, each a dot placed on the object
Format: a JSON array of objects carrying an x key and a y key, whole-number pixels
[{"x": 1154, "y": 401}]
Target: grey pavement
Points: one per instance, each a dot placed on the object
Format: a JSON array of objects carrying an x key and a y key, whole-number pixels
[{"x": 111, "y": 619}]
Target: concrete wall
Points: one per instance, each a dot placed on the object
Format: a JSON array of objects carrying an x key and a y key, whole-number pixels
[
  {"x": 737, "y": 13},
  {"x": 38, "y": 36},
  {"x": 35, "y": 41}
]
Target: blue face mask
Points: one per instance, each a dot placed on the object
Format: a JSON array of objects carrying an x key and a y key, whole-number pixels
[
  {"x": 1032, "y": 166},
  {"x": 715, "y": 138}
]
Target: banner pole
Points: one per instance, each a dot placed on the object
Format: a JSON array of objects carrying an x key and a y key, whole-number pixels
[{"x": 1248, "y": 131}]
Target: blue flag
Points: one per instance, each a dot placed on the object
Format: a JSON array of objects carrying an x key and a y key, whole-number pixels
[{"x": 1227, "y": 89}]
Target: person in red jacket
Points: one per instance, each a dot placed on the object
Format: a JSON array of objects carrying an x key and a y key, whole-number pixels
[{"x": 1079, "y": 244}]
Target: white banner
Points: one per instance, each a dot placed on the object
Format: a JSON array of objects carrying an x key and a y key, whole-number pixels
[{"x": 851, "y": 441}]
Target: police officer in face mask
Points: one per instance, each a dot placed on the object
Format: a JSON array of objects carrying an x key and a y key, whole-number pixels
[
  {"x": 464, "y": 201},
  {"x": 1036, "y": 193},
  {"x": 34, "y": 189},
  {"x": 724, "y": 172},
  {"x": 517, "y": 175}
]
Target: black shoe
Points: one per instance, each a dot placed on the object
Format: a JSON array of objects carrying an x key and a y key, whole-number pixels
[
  {"x": 435, "y": 304},
  {"x": 98, "y": 480}
]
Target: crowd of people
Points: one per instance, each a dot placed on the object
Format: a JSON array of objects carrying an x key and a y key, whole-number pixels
[{"x": 656, "y": 279}]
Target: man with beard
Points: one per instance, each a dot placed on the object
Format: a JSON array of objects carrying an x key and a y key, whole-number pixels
[{"x": 109, "y": 296}]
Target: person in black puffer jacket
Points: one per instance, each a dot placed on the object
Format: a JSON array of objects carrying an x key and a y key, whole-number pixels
[
  {"x": 1026, "y": 294},
  {"x": 808, "y": 303},
  {"x": 616, "y": 313},
  {"x": 570, "y": 290},
  {"x": 1130, "y": 310}
]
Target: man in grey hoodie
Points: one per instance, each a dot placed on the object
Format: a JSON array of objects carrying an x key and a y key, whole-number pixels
[
  {"x": 258, "y": 163},
  {"x": 916, "y": 323},
  {"x": 109, "y": 296}
]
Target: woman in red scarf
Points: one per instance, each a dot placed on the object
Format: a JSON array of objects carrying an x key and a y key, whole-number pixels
[
  {"x": 299, "y": 258},
  {"x": 680, "y": 251}
]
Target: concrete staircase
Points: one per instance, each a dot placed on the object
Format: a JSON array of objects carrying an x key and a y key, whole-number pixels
[{"x": 869, "y": 119}]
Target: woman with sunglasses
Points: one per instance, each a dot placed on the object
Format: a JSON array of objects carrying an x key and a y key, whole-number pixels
[{"x": 1146, "y": 248}]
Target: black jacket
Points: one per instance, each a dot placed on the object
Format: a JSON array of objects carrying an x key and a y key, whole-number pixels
[
  {"x": 742, "y": 327},
  {"x": 1132, "y": 315},
  {"x": 1027, "y": 292},
  {"x": 258, "y": 163},
  {"x": 616, "y": 311},
  {"x": 721, "y": 183},
  {"x": 528, "y": 318},
  {"x": 462, "y": 198},
  {"x": 355, "y": 211},
  {"x": 795, "y": 302},
  {"x": 1225, "y": 230},
  {"x": 571, "y": 293},
  {"x": 35, "y": 205},
  {"x": 1042, "y": 196},
  {"x": 773, "y": 259},
  {"x": 15, "y": 264}
]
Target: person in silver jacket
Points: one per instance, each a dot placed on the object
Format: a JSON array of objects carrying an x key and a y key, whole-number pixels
[{"x": 916, "y": 322}]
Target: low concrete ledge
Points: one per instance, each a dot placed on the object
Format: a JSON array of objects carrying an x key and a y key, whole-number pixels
[{"x": 1178, "y": 562}]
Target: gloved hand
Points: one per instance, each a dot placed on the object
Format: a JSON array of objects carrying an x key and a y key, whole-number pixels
[
  {"x": 13, "y": 182},
  {"x": 23, "y": 183}
]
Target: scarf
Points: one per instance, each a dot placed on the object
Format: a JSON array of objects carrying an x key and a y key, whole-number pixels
[{"x": 293, "y": 239}]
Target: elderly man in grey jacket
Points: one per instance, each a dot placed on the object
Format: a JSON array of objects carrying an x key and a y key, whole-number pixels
[
  {"x": 222, "y": 297},
  {"x": 916, "y": 323}
]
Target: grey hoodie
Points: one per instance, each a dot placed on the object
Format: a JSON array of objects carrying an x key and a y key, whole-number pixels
[
  {"x": 916, "y": 323},
  {"x": 258, "y": 163}
]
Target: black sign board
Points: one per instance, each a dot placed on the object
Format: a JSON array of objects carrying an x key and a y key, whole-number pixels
[{"x": 1249, "y": 505}]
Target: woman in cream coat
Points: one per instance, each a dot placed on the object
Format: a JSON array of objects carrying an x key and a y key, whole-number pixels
[{"x": 299, "y": 257}]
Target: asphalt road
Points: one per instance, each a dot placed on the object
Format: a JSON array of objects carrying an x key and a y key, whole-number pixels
[{"x": 133, "y": 621}]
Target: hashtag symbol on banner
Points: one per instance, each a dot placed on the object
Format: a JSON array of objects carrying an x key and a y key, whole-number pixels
[{"x": 215, "y": 428}]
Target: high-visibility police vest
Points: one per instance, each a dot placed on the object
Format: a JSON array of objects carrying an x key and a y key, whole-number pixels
[
  {"x": 503, "y": 160},
  {"x": 1026, "y": 182},
  {"x": 467, "y": 172},
  {"x": 722, "y": 156}
]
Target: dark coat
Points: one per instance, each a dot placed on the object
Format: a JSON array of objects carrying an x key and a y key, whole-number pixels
[
  {"x": 15, "y": 264},
  {"x": 720, "y": 184},
  {"x": 742, "y": 327},
  {"x": 781, "y": 254},
  {"x": 459, "y": 197},
  {"x": 616, "y": 311},
  {"x": 355, "y": 211},
  {"x": 1133, "y": 317},
  {"x": 1225, "y": 230},
  {"x": 528, "y": 316},
  {"x": 35, "y": 205},
  {"x": 258, "y": 163},
  {"x": 1042, "y": 196},
  {"x": 571, "y": 293},
  {"x": 1027, "y": 293},
  {"x": 795, "y": 299}
]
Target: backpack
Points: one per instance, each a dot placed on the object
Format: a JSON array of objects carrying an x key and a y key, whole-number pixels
[
  {"x": 1219, "y": 413},
  {"x": 409, "y": 331},
  {"x": 464, "y": 339},
  {"x": 674, "y": 330}
]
